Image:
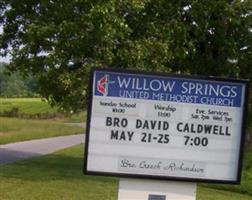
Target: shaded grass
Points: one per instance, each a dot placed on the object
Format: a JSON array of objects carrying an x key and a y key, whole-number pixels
[
  {"x": 59, "y": 177},
  {"x": 13, "y": 130}
]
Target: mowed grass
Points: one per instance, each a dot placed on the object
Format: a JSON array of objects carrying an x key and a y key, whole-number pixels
[
  {"x": 14, "y": 130},
  {"x": 26, "y": 105},
  {"x": 31, "y": 106},
  {"x": 204, "y": 193},
  {"x": 59, "y": 177},
  {"x": 54, "y": 177},
  {"x": 76, "y": 118}
]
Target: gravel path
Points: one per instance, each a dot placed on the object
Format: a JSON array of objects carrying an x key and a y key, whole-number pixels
[{"x": 13, "y": 152}]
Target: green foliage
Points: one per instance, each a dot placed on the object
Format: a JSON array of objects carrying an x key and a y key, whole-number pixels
[
  {"x": 60, "y": 41},
  {"x": 15, "y": 85}
]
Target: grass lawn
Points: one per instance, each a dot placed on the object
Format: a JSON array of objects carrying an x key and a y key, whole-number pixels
[
  {"x": 76, "y": 118},
  {"x": 31, "y": 106},
  {"x": 26, "y": 105},
  {"x": 54, "y": 177},
  {"x": 13, "y": 129},
  {"x": 204, "y": 193},
  {"x": 59, "y": 177}
]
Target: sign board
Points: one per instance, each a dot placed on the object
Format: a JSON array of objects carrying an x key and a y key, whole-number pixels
[{"x": 161, "y": 126}]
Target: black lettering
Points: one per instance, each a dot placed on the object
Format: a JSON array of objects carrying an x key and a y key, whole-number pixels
[
  {"x": 130, "y": 134},
  {"x": 227, "y": 132},
  {"x": 215, "y": 130},
  {"x": 192, "y": 129},
  {"x": 116, "y": 122},
  {"x": 138, "y": 123},
  {"x": 114, "y": 135},
  {"x": 146, "y": 125},
  {"x": 108, "y": 121},
  {"x": 165, "y": 126},
  {"x": 208, "y": 128},
  {"x": 122, "y": 137},
  {"x": 144, "y": 137},
  {"x": 160, "y": 140},
  {"x": 124, "y": 122},
  {"x": 179, "y": 126},
  {"x": 221, "y": 132},
  {"x": 153, "y": 124},
  {"x": 186, "y": 128},
  {"x": 199, "y": 128}
]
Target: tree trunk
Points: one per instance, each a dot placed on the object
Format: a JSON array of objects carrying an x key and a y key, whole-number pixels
[{"x": 248, "y": 140}]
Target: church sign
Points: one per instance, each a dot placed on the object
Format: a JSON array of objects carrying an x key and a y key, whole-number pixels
[{"x": 163, "y": 126}]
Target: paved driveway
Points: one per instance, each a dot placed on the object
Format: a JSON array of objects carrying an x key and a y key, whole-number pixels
[{"x": 23, "y": 150}]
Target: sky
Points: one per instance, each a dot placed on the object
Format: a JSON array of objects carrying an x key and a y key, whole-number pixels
[{"x": 7, "y": 58}]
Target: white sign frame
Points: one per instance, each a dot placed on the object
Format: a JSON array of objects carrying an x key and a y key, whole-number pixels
[{"x": 131, "y": 174}]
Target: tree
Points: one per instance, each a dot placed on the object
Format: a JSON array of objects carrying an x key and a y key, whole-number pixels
[
  {"x": 2, "y": 79},
  {"x": 61, "y": 40},
  {"x": 15, "y": 85}
]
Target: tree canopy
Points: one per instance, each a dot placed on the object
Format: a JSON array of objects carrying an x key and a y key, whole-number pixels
[
  {"x": 61, "y": 40},
  {"x": 15, "y": 85}
]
